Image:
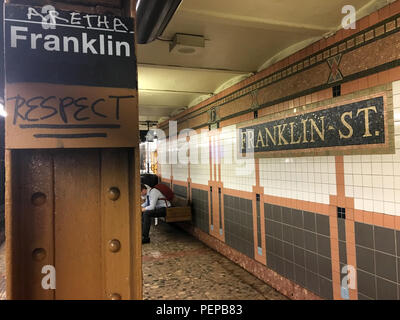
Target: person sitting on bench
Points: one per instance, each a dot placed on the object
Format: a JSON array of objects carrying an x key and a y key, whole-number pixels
[{"x": 155, "y": 206}]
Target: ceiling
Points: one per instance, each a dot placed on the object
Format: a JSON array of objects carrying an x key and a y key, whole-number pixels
[{"x": 241, "y": 38}]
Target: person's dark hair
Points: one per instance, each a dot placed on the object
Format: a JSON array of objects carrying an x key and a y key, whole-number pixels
[{"x": 142, "y": 187}]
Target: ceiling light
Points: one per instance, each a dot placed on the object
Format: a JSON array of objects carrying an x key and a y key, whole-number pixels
[
  {"x": 3, "y": 112},
  {"x": 186, "y": 44}
]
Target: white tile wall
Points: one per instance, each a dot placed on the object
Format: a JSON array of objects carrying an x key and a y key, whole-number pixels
[
  {"x": 165, "y": 171},
  {"x": 374, "y": 180},
  {"x": 307, "y": 178},
  {"x": 163, "y": 162},
  {"x": 214, "y": 154},
  {"x": 180, "y": 170},
  {"x": 200, "y": 172},
  {"x": 236, "y": 173}
]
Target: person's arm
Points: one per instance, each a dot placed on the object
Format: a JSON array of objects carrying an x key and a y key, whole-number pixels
[{"x": 144, "y": 201}]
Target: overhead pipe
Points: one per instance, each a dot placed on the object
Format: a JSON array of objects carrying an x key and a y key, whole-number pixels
[{"x": 152, "y": 17}]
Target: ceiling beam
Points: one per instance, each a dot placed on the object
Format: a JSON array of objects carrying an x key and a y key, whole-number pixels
[
  {"x": 264, "y": 22},
  {"x": 158, "y": 106},
  {"x": 180, "y": 68},
  {"x": 172, "y": 91}
]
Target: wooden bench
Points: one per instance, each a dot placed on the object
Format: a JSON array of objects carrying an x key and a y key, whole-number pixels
[{"x": 180, "y": 211}]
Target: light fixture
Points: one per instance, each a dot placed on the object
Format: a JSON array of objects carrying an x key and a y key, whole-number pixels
[
  {"x": 152, "y": 17},
  {"x": 3, "y": 112},
  {"x": 186, "y": 44}
]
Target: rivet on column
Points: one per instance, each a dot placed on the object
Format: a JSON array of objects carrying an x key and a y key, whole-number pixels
[
  {"x": 38, "y": 199},
  {"x": 113, "y": 193},
  {"x": 39, "y": 254},
  {"x": 115, "y": 296},
  {"x": 114, "y": 245}
]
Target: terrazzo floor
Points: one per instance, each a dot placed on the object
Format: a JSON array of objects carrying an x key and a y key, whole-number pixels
[{"x": 177, "y": 266}]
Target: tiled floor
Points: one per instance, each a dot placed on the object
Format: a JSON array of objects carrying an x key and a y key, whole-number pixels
[{"x": 178, "y": 266}]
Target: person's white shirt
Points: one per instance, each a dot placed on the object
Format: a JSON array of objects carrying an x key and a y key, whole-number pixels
[{"x": 154, "y": 200}]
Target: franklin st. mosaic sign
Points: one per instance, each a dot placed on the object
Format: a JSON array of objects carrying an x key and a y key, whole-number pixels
[{"x": 360, "y": 123}]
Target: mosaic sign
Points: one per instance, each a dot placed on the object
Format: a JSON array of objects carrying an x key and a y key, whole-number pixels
[{"x": 359, "y": 124}]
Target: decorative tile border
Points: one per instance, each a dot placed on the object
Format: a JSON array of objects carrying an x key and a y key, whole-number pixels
[{"x": 369, "y": 35}]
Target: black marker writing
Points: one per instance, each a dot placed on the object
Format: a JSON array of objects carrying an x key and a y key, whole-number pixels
[
  {"x": 67, "y": 109},
  {"x": 117, "y": 107}
]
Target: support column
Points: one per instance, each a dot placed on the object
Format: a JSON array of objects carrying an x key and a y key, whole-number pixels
[{"x": 73, "y": 220}]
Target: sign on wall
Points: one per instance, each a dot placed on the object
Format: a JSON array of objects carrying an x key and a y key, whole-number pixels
[
  {"x": 360, "y": 125},
  {"x": 71, "y": 79}
]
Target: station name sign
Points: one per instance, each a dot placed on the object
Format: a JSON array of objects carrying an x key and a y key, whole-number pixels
[
  {"x": 101, "y": 43},
  {"x": 361, "y": 123},
  {"x": 46, "y": 45},
  {"x": 71, "y": 79}
]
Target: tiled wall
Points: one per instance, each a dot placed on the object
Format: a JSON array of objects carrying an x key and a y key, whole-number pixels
[
  {"x": 296, "y": 220},
  {"x": 308, "y": 178},
  {"x": 238, "y": 174},
  {"x": 181, "y": 172},
  {"x": 239, "y": 224},
  {"x": 180, "y": 191},
  {"x": 165, "y": 171},
  {"x": 200, "y": 209},
  {"x": 200, "y": 170},
  {"x": 298, "y": 248},
  {"x": 342, "y": 243},
  {"x": 374, "y": 180},
  {"x": 378, "y": 262}
]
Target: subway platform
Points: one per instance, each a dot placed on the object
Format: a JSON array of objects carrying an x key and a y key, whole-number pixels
[{"x": 176, "y": 266}]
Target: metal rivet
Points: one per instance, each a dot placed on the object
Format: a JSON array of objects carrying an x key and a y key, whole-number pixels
[
  {"x": 113, "y": 194},
  {"x": 115, "y": 296},
  {"x": 39, "y": 254},
  {"x": 114, "y": 245},
  {"x": 38, "y": 199}
]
